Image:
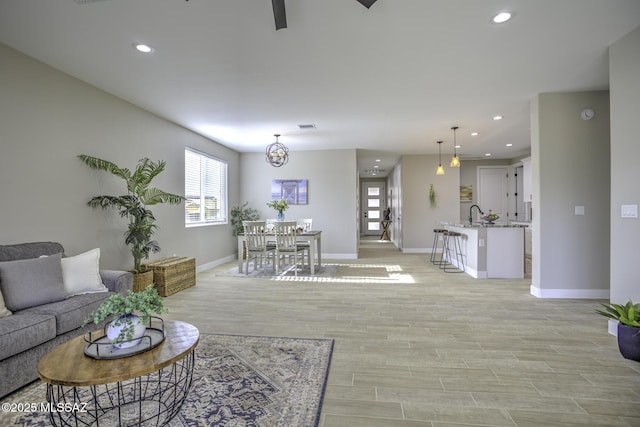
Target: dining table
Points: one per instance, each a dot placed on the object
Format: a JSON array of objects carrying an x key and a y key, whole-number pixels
[{"x": 312, "y": 237}]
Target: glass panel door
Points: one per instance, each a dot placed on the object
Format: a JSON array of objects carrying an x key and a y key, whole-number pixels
[{"x": 373, "y": 196}]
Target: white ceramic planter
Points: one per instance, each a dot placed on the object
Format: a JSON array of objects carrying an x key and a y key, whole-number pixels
[{"x": 126, "y": 321}]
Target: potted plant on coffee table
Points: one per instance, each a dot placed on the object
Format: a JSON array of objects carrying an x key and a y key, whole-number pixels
[
  {"x": 130, "y": 314},
  {"x": 134, "y": 205},
  {"x": 628, "y": 317}
]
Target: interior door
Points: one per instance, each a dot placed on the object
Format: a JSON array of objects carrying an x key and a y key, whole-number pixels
[
  {"x": 373, "y": 198},
  {"x": 493, "y": 189}
]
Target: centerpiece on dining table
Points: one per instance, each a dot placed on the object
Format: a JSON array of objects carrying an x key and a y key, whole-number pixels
[{"x": 279, "y": 205}]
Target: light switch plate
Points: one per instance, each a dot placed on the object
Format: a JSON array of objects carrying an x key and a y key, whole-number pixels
[
  {"x": 629, "y": 211},
  {"x": 579, "y": 210}
]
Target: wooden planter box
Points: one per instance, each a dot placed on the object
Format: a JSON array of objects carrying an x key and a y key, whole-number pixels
[{"x": 173, "y": 274}]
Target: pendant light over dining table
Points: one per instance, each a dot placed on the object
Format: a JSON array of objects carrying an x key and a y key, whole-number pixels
[
  {"x": 440, "y": 170},
  {"x": 276, "y": 153},
  {"x": 455, "y": 161}
]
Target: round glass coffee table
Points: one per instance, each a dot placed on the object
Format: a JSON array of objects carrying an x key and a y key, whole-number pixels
[{"x": 144, "y": 389}]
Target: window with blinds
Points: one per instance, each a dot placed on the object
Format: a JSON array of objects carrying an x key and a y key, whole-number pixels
[{"x": 205, "y": 187}]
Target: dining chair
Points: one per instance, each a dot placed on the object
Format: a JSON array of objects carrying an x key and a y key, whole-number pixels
[
  {"x": 270, "y": 224},
  {"x": 305, "y": 223},
  {"x": 287, "y": 244},
  {"x": 256, "y": 244}
]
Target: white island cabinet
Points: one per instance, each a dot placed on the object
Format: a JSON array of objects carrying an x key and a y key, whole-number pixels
[{"x": 492, "y": 251}]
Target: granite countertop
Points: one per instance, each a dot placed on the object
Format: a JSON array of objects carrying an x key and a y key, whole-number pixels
[{"x": 483, "y": 225}]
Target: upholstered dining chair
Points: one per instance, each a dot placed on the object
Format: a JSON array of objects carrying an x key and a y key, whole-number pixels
[
  {"x": 256, "y": 241},
  {"x": 286, "y": 244}
]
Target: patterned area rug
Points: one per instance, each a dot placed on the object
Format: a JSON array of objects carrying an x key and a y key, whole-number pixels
[
  {"x": 239, "y": 381},
  {"x": 325, "y": 270}
]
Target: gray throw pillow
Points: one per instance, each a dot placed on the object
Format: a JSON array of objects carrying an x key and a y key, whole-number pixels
[{"x": 29, "y": 282}]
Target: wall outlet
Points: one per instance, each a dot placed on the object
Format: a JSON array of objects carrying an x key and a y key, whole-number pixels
[
  {"x": 629, "y": 211},
  {"x": 481, "y": 243}
]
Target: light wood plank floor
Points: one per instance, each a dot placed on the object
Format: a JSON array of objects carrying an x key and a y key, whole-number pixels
[{"x": 415, "y": 346}]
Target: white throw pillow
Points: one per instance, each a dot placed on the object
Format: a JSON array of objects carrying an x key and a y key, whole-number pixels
[
  {"x": 81, "y": 273},
  {"x": 4, "y": 311}
]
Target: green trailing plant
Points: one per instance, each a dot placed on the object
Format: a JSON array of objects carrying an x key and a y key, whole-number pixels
[
  {"x": 628, "y": 314},
  {"x": 432, "y": 195},
  {"x": 242, "y": 213},
  {"x": 135, "y": 204},
  {"x": 142, "y": 304}
]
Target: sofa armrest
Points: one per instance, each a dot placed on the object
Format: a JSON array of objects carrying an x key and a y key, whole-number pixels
[{"x": 117, "y": 281}]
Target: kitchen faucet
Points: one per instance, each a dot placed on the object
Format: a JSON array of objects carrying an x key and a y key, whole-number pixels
[{"x": 470, "y": 213}]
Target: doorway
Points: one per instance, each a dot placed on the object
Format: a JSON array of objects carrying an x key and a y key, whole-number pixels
[
  {"x": 493, "y": 189},
  {"x": 373, "y": 203}
]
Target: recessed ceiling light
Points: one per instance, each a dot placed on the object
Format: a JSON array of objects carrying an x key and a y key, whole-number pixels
[
  {"x": 498, "y": 117},
  {"x": 378, "y": 160},
  {"x": 376, "y": 166},
  {"x": 474, "y": 134},
  {"x": 144, "y": 48},
  {"x": 458, "y": 146},
  {"x": 509, "y": 145},
  {"x": 502, "y": 17},
  {"x": 487, "y": 154}
]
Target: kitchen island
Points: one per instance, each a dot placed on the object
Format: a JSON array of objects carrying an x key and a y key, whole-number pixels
[{"x": 491, "y": 251}]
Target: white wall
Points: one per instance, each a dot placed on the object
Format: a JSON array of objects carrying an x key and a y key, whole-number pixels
[
  {"x": 333, "y": 193},
  {"x": 419, "y": 218},
  {"x": 624, "y": 59},
  {"x": 47, "y": 118},
  {"x": 570, "y": 161}
]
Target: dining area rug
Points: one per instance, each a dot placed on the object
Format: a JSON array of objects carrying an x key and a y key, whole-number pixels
[
  {"x": 238, "y": 380},
  {"x": 325, "y": 270}
]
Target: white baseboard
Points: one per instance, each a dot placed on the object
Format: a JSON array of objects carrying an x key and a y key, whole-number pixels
[
  {"x": 339, "y": 256},
  {"x": 416, "y": 250},
  {"x": 212, "y": 264},
  {"x": 570, "y": 293}
]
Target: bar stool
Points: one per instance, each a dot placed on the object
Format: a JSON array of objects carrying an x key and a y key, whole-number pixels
[
  {"x": 453, "y": 250},
  {"x": 434, "y": 248}
]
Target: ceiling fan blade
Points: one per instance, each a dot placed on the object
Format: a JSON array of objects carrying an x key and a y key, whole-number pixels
[
  {"x": 279, "y": 14},
  {"x": 367, "y": 3}
]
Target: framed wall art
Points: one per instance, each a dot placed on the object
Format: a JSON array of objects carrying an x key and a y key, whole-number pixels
[
  {"x": 466, "y": 193},
  {"x": 293, "y": 191}
]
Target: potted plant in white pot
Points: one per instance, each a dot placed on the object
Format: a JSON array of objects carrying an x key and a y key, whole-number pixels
[
  {"x": 134, "y": 205},
  {"x": 628, "y": 317},
  {"x": 130, "y": 314}
]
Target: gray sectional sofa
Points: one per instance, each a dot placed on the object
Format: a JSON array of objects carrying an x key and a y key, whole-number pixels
[{"x": 39, "y": 311}]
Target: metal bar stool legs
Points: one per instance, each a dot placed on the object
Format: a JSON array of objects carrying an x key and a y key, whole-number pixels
[
  {"x": 437, "y": 232},
  {"x": 453, "y": 253}
]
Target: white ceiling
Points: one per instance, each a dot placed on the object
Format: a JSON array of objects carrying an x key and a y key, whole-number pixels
[{"x": 390, "y": 80}]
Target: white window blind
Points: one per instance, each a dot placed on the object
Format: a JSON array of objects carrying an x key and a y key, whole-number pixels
[{"x": 205, "y": 187}]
